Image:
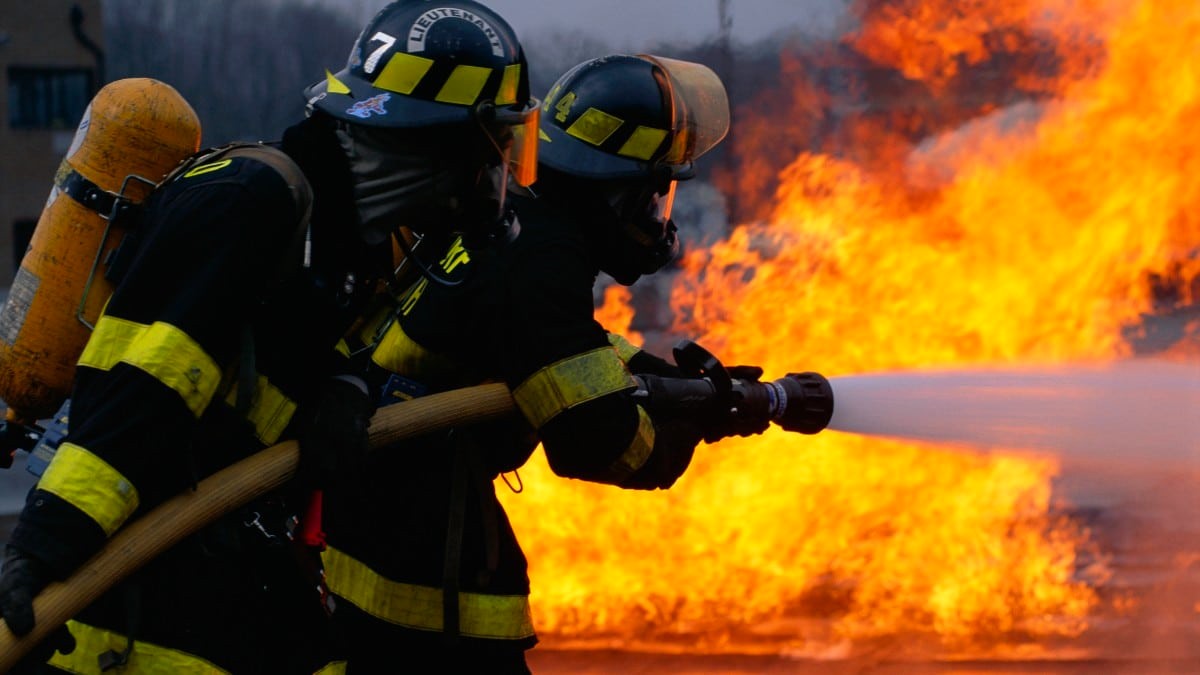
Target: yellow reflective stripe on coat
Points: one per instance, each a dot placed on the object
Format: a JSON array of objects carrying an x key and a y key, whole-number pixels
[
  {"x": 165, "y": 352},
  {"x": 333, "y": 668},
  {"x": 398, "y": 353},
  {"x": 270, "y": 410},
  {"x": 625, "y": 349},
  {"x": 498, "y": 617},
  {"x": 570, "y": 382},
  {"x": 145, "y": 659},
  {"x": 91, "y": 485},
  {"x": 639, "y": 449}
]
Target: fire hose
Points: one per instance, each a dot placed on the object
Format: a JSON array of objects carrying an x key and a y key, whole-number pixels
[
  {"x": 177, "y": 518},
  {"x": 798, "y": 402}
]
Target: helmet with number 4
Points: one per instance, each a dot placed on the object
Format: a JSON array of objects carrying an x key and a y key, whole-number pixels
[
  {"x": 628, "y": 116},
  {"x": 630, "y": 127}
]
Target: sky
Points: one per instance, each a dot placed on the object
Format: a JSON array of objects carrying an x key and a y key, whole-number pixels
[{"x": 632, "y": 24}]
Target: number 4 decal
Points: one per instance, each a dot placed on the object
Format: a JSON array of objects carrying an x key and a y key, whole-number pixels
[
  {"x": 373, "y": 59},
  {"x": 563, "y": 108}
]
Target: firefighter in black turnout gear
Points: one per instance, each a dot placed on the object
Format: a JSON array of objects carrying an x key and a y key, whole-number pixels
[
  {"x": 421, "y": 557},
  {"x": 222, "y": 338}
]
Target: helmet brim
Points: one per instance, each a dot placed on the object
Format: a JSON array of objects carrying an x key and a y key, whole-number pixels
[{"x": 388, "y": 109}]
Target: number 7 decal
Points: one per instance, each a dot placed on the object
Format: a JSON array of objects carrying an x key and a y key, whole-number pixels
[{"x": 373, "y": 59}]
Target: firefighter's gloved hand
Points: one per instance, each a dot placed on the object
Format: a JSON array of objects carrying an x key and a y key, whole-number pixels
[
  {"x": 733, "y": 422},
  {"x": 333, "y": 431},
  {"x": 675, "y": 440},
  {"x": 34, "y": 662},
  {"x": 748, "y": 373},
  {"x": 728, "y": 423},
  {"x": 21, "y": 579}
]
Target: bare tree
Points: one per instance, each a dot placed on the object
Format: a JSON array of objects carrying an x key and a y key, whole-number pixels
[{"x": 242, "y": 64}]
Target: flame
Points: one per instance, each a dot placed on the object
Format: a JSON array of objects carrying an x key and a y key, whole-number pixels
[
  {"x": 1037, "y": 231},
  {"x": 616, "y": 314}
]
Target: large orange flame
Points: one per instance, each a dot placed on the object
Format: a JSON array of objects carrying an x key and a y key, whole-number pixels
[{"x": 1037, "y": 233}]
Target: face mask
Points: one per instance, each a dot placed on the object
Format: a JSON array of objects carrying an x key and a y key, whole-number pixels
[
  {"x": 418, "y": 188},
  {"x": 647, "y": 239}
]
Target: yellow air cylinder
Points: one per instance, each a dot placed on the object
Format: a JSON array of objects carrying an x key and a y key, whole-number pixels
[{"x": 136, "y": 127}]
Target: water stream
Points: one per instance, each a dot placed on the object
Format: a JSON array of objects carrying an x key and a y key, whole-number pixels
[{"x": 1129, "y": 411}]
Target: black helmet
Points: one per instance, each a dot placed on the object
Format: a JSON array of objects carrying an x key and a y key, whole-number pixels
[
  {"x": 626, "y": 129},
  {"x": 421, "y": 63},
  {"x": 422, "y": 81},
  {"x": 631, "y": 116}
]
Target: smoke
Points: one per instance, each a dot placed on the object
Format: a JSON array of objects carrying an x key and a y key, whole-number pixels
[{"x": 1132, "y": 412}]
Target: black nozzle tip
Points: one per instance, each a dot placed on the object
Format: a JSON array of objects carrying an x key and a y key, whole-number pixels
[{"x": 809, "y": 403}]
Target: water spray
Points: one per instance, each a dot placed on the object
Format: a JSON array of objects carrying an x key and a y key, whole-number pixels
[{"x": 1138, "y": 410}]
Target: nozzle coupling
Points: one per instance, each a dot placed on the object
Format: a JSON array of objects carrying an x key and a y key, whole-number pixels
[{"x": 800, "y": 402}]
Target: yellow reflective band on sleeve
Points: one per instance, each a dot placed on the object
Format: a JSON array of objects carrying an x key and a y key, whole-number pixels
[
  {"x": 334, "y": 85},
  {"x": 594, "y": 126},
  {"x": 270, "y": 410},
  {"x": 464, "y": 84},
  {"x": 110, "y": 341},
  {"x": 497, "y": 617},
  {"x": 507, "y": 95},
  {"x": 398, "y": 353},
  {"x": 145, "y": 659},
  {"x": 570, "y": 382},
  {"x": 639, "y": 448},
  {"x": 403, "y": 72},
  {"x": 625, "y": 349},
  {"x": 165, "y": 352},
  {"x": 91, "y": 485},
  {"x": 643, "y": 142},
  {"x": 334, "y": 668}
]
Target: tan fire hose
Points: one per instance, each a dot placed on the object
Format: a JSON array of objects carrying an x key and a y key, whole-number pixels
[{"x": 147, "y": 537}]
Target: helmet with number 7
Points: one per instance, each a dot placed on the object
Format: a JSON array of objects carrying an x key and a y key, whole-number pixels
[{"x": 420, "y": 63}]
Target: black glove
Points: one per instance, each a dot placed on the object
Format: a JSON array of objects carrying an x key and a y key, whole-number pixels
[
  {"x": 23, "y": 577},
  {"x": 675, "y": 440},
  {"x": 333, "y": 431},
  {"x": 724, "y": 424},
  {"x": 748, "y": 373}
]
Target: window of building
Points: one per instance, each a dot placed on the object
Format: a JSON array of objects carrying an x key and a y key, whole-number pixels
[{"x": 47, "y": 98}]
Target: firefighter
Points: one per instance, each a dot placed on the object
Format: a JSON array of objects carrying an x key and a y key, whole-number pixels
[
  {"x": 222, "y": 339},
  {"x": 421, "y": 558}
]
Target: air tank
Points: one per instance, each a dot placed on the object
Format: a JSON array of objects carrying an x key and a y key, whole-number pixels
[{"x": 132, "y": 134}]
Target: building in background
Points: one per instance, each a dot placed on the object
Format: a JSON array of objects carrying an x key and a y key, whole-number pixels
[{"x": 51, "y": 63}]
